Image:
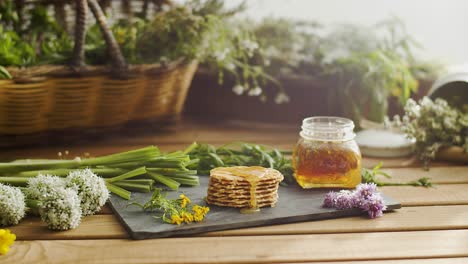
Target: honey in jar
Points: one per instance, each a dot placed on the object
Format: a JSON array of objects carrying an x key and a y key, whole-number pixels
[{"x": 326, "y": 154}]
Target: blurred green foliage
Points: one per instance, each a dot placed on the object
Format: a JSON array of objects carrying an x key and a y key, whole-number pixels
[{"x": 367, "y": 64}]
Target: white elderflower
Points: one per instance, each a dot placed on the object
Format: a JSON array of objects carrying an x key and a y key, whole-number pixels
[
  {"x": 91, "y": 189},
  {"x": 434, "y": 124},
  {"x": 281, "y": 98},
  {"x": 256, "y": 91},
  {"x": 249, "y": 45},
  {"x": 12, "y": 205},
  {"x": 221, "y": 55},
  {"x": 238, "y": 89},
  {"x": 230, "y": 66},
  {"x": 60, "y": 209},
  {"x": 39, "y": 186}
]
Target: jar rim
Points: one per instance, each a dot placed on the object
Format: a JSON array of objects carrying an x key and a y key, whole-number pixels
[
  {"x": 328, "y": 128},
  {"x": 327, "y": 122}
]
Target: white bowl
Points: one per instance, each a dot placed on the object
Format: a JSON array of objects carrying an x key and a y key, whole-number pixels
[{"x": 384, "y": 143}]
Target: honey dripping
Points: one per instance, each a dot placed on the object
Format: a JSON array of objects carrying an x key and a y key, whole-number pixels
[
  {"x": 252, "y": 175},
  {"x": 326, "y": 165}
]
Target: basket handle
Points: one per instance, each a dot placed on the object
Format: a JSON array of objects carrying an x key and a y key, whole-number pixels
[
  {"x": 119, "y": 68},
  {"x": 78, "y": 58}
]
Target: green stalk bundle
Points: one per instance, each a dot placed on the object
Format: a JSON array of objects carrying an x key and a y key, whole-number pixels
[{"x": 125, "y": 172}]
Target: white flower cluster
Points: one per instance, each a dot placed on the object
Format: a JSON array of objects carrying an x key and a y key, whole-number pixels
[
  {"x": 239, "y": 90},
  {"x": 12, "y": 205},
  {"x": 62, "y": 202},
  {"x": 250, "y": 46},
  {"x": 221, "y": 55},
  {"x": 40, "y": 186},
  {"x": 281, "y": 97},
  {"x": 90, "y": 188},
  {"x": 60, "y": 209},
  {"x": 433, "y": 124}
]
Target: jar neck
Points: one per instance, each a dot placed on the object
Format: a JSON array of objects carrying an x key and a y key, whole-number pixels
[{"x": 327, "y": 129}]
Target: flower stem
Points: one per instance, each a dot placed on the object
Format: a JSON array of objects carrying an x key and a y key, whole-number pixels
[
  {"x": 136, "y": 187},
  {"x": 118, "y": 191},
  {"x": 128, "y": 175},
  {"x": 14, "y": 181},
  {"x": 174, "y": 185}
]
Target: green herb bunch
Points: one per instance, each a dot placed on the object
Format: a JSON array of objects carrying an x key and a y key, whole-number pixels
[
  {"x": 240, "y": 154},
  {"x": 173, "y": 211},
  {"x": 175, "y": 34},
  {"x": 373, "y": 175},
  {"x": 39, "y": 41}
]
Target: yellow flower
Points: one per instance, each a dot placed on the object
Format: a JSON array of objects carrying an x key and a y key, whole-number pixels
[
  {"x": 184, "y": 200},
  {"x": 6, "y": 240},
  {"x": 205, "y": 209},
  {"x": 200, "y": 212},
  {"x": 188, "y": 217},
  {"x": 198, "y": 216},
  {"x": 176, "y": 219},
  {"x": 201, "y": 209}
]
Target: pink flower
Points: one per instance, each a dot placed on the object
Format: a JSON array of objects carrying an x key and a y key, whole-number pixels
[
  {"x": 344, "y": 200},
  {"x": 365, "y": 190},
  {"x": 330, "y": 200},
  {"x": 364, "y": 197},
  {"x": 374, "y": 205}
]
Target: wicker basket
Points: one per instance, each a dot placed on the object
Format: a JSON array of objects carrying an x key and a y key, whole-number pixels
[{"x": 57, "y": 98}]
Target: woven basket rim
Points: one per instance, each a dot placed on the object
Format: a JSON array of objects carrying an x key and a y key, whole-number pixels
[{"x": 37, "y": 73}]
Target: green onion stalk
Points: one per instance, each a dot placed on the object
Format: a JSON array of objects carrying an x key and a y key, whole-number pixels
[{"x": 131, "y": 171}]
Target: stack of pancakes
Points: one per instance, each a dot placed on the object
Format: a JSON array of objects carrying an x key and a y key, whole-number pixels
[{"x": 243, "y": 187}]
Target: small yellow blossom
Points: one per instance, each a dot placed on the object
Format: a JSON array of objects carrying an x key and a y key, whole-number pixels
[
  {"x": 188, "y": 217},
  {"x": 198, "y": 216},
  {"x": 199, "y": 212},
  {"x": 176, "y": 219},
  {"x": 201, "y": 209},
  {"x": 184, "y": 200},
  {"x": 6, "y": 240}
]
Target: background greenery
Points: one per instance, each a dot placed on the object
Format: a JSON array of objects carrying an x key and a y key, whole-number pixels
[{"x": 369, "y": 64}]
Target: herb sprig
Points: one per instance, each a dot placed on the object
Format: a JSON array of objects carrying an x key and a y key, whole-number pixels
[
  {"x": 371, "y": 176},
  {"x": 240, "y": 154},
  {"x": 173, "y": 211}
]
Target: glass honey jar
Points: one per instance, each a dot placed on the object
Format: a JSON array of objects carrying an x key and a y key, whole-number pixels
[{"x": 326, "y": 154}]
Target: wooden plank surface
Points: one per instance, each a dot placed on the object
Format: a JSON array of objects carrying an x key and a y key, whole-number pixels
[
  {"x": 404, "y": 261},
  {"x": 443, "y": 194},
  {"x": 247, "y": 249},
  {"x": 438, "y": 175},
  {"x": 405, "y": 219}
]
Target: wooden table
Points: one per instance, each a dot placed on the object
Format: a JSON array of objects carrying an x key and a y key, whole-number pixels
[{"x": 432, "y": 226}]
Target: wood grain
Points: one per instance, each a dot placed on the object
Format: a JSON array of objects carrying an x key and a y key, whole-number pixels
[
  {"x": 405, "y": 219},
  {"x": 91, "y": 227},
  {"x": 444, "y": 194},
  {"x": 405, "y": 261},
  {"x": 438, "y": 175},
  {"x": 247, "y": 249}
]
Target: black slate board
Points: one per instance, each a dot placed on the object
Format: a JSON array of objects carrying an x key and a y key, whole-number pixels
[{"x": 294, "y": 205}]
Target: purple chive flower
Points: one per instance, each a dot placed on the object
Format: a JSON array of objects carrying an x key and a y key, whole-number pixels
[
  {"x": 365, "y": 190},
  {"x": 344, "y": 200},
  {"x": 330, "y": 200},
  {"x": 374, "y": 205},
  {"x": 364, "y": 197}
]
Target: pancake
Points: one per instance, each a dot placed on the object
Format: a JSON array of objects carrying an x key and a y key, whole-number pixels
[{"x": 243, "y": 187}]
